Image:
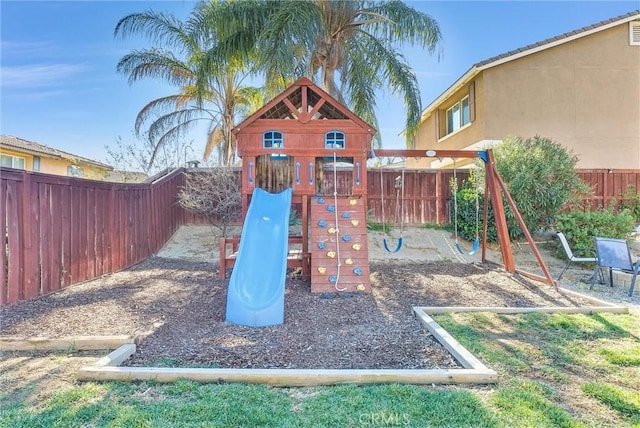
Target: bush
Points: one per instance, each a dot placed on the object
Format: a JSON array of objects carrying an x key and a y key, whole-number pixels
[
  {"x": 215, "y": 194},
  {"x": 541, "y": 178},
  {"x": 580, "y": 227},
  {"x": 466, "y": 216},
  {"x": 631, "y": 202}
]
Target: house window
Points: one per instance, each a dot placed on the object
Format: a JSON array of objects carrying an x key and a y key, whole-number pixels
[
  {"x": 634, "y": 33},
  {"x": 458, "y": 115},
  {"x": 272, "y": 140},
  {"x": 334, "y": 140},
  {"x": 12, "y": 161},
  {"x": 75, "y": 171},
  {"x": 36, "y": 163}
]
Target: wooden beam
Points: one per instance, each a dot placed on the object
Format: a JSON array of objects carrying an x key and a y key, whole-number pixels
[
  {"x": 289, "y": 377},
  {"x": 525, "y": 310},
  {"x": 587, "y": 297},
  {"x": 499, "y": 216},
  {"x": 117, "y": 357},
  {"x": 535, "y": 277},
  {"x": 459, "y": 352},
  {"x": 469, "y": 154},
  {"x": 78, "y": 343},
  {"x": 547, "y": 275}
]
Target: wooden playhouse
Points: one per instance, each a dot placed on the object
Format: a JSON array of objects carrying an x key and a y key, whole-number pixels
[{"x": 300, "y": 139}]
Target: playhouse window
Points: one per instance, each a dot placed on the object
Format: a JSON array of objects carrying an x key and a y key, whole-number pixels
[
  {"x": 334, "y": 140},
  {"x": 272, "y": 140}
]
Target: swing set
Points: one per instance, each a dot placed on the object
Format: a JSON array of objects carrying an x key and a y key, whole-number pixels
[
  {"x": 494, "y": 190},
  {"x": 399, "y": 185},
  {"x": 454, "y": 190}
]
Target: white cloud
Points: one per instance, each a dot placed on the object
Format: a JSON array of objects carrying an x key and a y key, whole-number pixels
[
  {"x": 38, "y": 75},
  {"x": 27, "y": 49}
]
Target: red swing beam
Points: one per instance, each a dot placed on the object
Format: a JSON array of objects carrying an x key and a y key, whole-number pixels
[{"x": 493, "y": 185}]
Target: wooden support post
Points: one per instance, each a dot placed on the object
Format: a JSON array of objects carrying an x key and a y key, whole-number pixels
[
  {"x": 499, "y": 216},
  {"x": 548, "y": 279},
  {"x": 306, "y": 262}
]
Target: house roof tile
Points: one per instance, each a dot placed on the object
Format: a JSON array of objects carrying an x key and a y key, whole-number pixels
[
  {"x": 555, "y": 38},
  {"x": 38, "y": 149}
]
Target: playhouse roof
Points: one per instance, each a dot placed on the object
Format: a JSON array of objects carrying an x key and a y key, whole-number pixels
[{"x": 304, "y": 101}]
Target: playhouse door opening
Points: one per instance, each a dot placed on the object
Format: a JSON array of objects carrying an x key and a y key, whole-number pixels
[
  {"x": 343, "y": 172},
  {"x": 274, "y": 173}
]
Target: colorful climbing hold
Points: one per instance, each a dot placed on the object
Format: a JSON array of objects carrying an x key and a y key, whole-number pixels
[
  {"x": 331, "y": 254},
  {"x": 321, "y": 200},
  {"x": 356, "y": 246},
  {"x": 345, "y": 215},
  {"x": 322, "y": 223},
  {"x": 331, "y": 208},
  {"x": 332, "y": 230},
  {"x": 348, "y": 262},
  {"x": 321, "y": 245},
  {"x": 357, "y": 271},
  {"x": 322, "y": 269},
  {"x": 360, "y": 287},
  {"x": 353, "y": 202},
  {"x": 355, "y": 222},
  {"x": 346, "y": 238},
  {"x": 333, "y": 278}
]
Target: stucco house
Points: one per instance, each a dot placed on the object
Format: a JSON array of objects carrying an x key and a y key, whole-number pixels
[
  {"x": 22, "y": 154},
  {"x": 581, "y": 89}
]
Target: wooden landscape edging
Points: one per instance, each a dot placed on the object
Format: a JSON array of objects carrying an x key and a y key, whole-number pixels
[
  {"x": 77, "y": 343},
  {"x": 290, "y": 377},
  {"x": 474, "y": 372},
  {"x": 604, "y": 306}
]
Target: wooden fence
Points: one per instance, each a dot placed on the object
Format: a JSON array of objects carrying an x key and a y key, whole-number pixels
[
  {"x": 608, "y": 185},
  {"x": 61, "y": 231}
]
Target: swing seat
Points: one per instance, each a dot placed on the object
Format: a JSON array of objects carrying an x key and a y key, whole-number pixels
[
  {"x": 386, "y": 246},
  {"x": 474, "y": 248}
]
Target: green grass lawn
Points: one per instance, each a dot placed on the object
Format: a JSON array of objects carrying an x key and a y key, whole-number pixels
[{"x": 555, "y": 370}]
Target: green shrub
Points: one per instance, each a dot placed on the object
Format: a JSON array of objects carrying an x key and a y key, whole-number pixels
[
  {"x": 466, "y": 215},
  {"x": 631, "y": 201},
  {"x": 580, "y": 227},
  {"x": 541, "y": 178}
]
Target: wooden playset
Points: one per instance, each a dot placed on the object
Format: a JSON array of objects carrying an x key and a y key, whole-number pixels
[{"x": 298, "y": 138}]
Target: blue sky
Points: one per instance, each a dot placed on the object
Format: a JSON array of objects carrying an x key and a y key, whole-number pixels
[{"x": 59, "y": 86}]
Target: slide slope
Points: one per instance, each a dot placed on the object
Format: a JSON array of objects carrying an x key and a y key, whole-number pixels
[{"x": 255, "y": 296}]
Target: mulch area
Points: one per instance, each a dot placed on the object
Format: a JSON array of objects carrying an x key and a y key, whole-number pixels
[{"x": 179, "y": 307}]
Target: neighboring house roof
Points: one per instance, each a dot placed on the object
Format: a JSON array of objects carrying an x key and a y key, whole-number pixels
[
  {"x": 32, "y": 148},
  {"x": 528, "y": 50}
]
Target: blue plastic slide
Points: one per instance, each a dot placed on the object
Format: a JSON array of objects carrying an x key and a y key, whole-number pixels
[{"x": 255, "y": 297}]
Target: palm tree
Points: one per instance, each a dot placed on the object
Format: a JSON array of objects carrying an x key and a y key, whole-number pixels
[
  {"x": 348, "y": 47},
  {"x": 207, "y": 92}
]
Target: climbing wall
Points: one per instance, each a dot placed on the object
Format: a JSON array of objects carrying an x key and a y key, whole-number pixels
[{"x": 344, "y": 241}]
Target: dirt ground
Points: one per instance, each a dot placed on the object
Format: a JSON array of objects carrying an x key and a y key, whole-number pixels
[{"x": 177, "y": 303}]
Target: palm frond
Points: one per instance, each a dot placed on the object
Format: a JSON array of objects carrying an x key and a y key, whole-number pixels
[
  {"x": 157, "y": 108},
  {"x": 154, "y": 63},
  {"x": 405, "y": 24},
  {"x": 214, "y": 140}
]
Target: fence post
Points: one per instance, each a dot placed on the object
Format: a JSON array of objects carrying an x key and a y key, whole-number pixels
[
  {"x": 439, "y": 197},
  {"x": 30, "y": 254}
]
